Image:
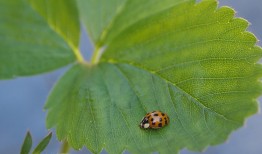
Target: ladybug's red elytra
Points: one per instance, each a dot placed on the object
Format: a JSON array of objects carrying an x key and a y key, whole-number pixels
[{"x": 154, "y": 120}]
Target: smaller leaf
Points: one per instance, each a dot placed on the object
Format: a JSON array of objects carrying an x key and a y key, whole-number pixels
[
  {"x": 27, "y": 144},
  {"x": 42, "y": 145}
]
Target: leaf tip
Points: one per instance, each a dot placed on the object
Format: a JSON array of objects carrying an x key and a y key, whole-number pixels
[{"x": 27, "y": 144}]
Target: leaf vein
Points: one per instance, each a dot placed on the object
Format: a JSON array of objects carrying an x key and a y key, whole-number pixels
[
  {"x": 126, "y": 123},
  {"x": 93, "y": 117},
  {"x": 210, "y": 78},
  {"x": 181, "y": 123},
  {"x": 198, "y": 61}
]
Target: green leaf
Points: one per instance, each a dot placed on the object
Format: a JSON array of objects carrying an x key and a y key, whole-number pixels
[
  {"x": 104, "y": 20},
  {"x": 28, "y": 45},
  {"x": 192, "y": 61},
  {"x": 27, "y": 144},
  {"x": 42, "y": 145}
]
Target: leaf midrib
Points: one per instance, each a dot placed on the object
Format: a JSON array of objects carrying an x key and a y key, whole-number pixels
[
  {"x": 132, "y": 88},
  {"x": 123, "y": 117}
]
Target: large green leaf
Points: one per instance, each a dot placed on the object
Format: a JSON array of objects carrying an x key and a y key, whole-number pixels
[
  {"x": 27, "y": 43},
  {"x": 193, "y": 61}
]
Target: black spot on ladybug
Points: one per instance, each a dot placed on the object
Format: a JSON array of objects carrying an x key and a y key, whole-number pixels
[
  {"x": 152, "y": 119},
  {"x": 145, "y": 120},
  {"x": 153, "y": 123},
  {"x": 165, "y": 122},
  {"x": 160, "y": 119},
  {"x": 156, "y": 114},
  {"x": 163, "y": 114},
  {"x": 160, "y": 125}
]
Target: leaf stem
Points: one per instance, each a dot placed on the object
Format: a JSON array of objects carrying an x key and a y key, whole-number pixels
[
  {"x": 79, "y": 57},
  {"x": 77, "y": 53},
  {"x": 96, "y": 55},
  {"x": 64, "y": 148}
]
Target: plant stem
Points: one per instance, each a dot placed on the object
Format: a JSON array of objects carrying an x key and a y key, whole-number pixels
[
  {"x": 65, "y": 148},
  {"x": 79, "y": 56},
  {"x": 96, "y": 55},
  {"x": 77, "y": 52}
]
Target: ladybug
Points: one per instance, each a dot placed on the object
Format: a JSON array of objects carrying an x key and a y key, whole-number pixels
[{"x": 154, "y": 120}]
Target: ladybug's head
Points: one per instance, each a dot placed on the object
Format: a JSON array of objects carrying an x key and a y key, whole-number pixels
[{"x": 144, "y": 123}]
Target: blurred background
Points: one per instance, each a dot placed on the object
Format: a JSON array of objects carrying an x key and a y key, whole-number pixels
[{"x": 22, "y": 101}]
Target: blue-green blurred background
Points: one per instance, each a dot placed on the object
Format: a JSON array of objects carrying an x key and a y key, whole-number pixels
[{"x": 22, "y": 101}]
